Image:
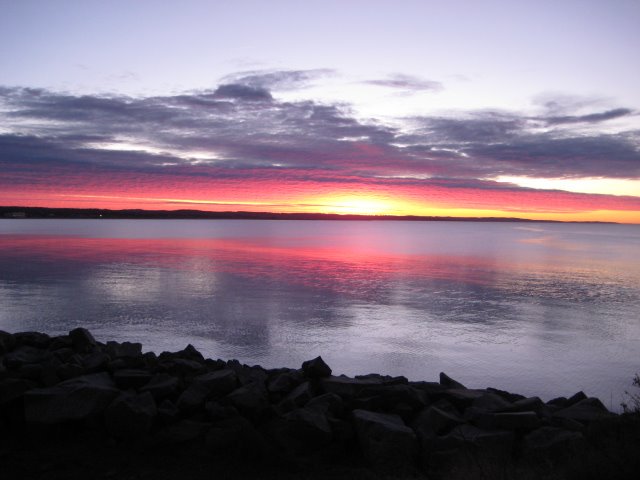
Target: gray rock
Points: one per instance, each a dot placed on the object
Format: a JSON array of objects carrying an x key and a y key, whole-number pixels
[
  {"x": 385, "y": 440},
  {"x": 131, "y": 378},
  {"x": 462, "y": 398},
  {"x": 82, "y": 339},
  {"x": 316, "y": 368},
  {"x": 389, "y": 396},
  {"x": 213, "y": 384},
  {"x": 76, "y": 399},
  {"x": 283, "y": 383},
  {"x": 532, "y": 404},
  {"x": 348, "y": 387},
  {"x": 95, "y": 361},
  {"x": 448, "y": 382},
  {"x": 124, "y": 350},
  {"x": 329, "y": 403},
  {"x": 491, "y": 402},
  {"x": 25, "y": 355},
  {"x": 297, "y": 398},
  {"x": 575, "y": 398},
  {"x": 508, "y": 396},
  {"x": 558, "y": 402},
  {"x": 161, "y": 385},
  {"x": 130, "y": 415}
]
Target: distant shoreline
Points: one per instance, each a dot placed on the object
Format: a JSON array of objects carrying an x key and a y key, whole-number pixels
[{"x": 19, "y": 212}]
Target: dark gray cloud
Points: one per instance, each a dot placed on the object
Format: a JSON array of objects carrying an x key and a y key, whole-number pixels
[
  {"x": 406, "y": 83},
  {"x": 239, "y": 127},
  {"x": 590, "y": 118}
]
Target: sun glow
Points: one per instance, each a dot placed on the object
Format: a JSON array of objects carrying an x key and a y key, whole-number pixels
[{"x": 357, "y": 205}]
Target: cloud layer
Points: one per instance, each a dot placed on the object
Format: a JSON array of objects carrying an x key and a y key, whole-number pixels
[{"x": 238, "y": 140}]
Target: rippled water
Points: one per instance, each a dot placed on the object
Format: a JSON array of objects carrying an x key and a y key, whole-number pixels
[{"x": 535, "y": 308}]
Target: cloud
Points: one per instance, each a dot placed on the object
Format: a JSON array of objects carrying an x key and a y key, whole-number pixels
[
  {"x": 278, "y": 79},
  {"x": 590, "y": 118},
  {"x": 406, "y": 83},
  {"x": 239, "y": 133}
]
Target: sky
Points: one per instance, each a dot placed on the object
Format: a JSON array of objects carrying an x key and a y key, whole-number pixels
[{"x": 499, "y": 108}]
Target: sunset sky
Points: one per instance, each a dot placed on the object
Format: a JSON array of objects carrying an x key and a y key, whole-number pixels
[{"x": 497, "y": 108}]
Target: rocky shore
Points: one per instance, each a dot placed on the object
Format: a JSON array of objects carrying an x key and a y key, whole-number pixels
[{"x": 73, "y": 407}]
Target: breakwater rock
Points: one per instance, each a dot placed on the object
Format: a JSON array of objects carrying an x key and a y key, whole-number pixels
[{"x": 114, "y": 398}]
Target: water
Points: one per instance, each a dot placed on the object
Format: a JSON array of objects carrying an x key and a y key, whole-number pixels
[{"x": 539, "y": 309}]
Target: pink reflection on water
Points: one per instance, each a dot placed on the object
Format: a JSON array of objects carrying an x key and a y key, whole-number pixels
[{"x": 348, "y": 268}]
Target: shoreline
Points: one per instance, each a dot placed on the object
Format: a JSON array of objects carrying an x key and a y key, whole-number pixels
[{"x": 56, "y": 390}]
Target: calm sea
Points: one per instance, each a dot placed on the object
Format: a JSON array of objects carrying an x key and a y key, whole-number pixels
[{"x": 535, "y": 308}]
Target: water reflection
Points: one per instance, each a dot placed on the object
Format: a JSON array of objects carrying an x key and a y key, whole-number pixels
[{"x": 415, "y": 300}]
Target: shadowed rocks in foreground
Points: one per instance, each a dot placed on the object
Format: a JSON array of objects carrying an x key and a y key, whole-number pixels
[{"x": 178, "y": 414}]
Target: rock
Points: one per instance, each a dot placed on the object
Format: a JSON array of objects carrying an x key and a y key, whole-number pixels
[
  {"x": 433, "y": 420},
  {"x": 391, "y": 395},
  {"x": 316, "y": 368},
  {"x": 182, "y": 367},
  {"x": 347, "y": 387},
  {"x": 329, "y": 403},
  {"x": 558, "y": 402},
  {"x": 385, "y": 440},
  {"x": 124, "y": 350},
  {"x": 7, "y": 342},
  {"x": 161, "y": 385},
  {"x": 82, "y": 339},
  {"x": 62, "y": 342},
  {"x": 516, "y": 421},
  {"x": 131, "y": 378},
  {"x": 462, "y": 398},
  {"x": 130, "y": 415},
  {"x": 532, "y": 404},
  {"x": 509, "y": 397},
  {"x": 247, "y": 374},
  {"x": 465, "y": 436},
  {"x": 190, "y": 353},
  {"x": 552, "y": 443},
  {"x": 448, "y": 382},
  {"x": 575, "y": 398},
  {"x": 297, "y": 398},
  {"x": 167, "y": 411},
  {"x": 76, "y": 399},
  {"x": 32, "y": 339},
  {"x": 491, "y": 402},
  {"x": 236, "y": 435},
  {"x": 214, "y": 384},
  {"x": 250, "y": 400},
  {"x": 12, "y": 389},
  {"x": 301, "y": 431},
  {"x": 95, "y": 362},
  {"x": 584, "y": 411},
  {"x": 216, "y": 411},
  {"x": 181, "y": 432},
  {"x": 25, "y": 355},
  {"x": 282, "y": 383},
  {"x": 69, "y": 370}
]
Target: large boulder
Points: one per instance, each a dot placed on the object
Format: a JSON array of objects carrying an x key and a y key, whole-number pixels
[
  {"x": 297, "y": 398},
  {"x": 82, "y": 339},
  {"x": 301, "y": 431},
  {"x": 161, "y": 385},
  {"x": 448, "y": 382},
  {"x": 130, "y": 415},
  {"x": 316, "y": 368},
  {"x": 434, "y": 420},
  {"x": 127, "y": 378},
  {"x": 76, "y": 399},
  {"x": 385, "y": 440},
  {"x": 251, "y": 400},
  {"x": 25, "y": 355},
  {"x": 348, "y": 387},
  {"x": 585, "y": 411}
]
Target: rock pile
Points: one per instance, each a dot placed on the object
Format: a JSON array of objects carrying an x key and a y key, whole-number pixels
[{"x": 136, "y": 398}]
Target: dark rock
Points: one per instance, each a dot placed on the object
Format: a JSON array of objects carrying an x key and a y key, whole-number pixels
[
  {"x": 82, "y": 339},
  {"x": 391, "y": 395},
  {"x": 24, "y": 355},
  {"x": 181, "y": 432},
  {"x": 329, "y": 403},
  {"x": 284, "y": 382},
  {"x": 213, "y": 384},
  {"x": 234, "y": 435},
  {"x": 161, "y": 385},
  {"x": 12, "y": 389},
  {"x": 250, "y": 400},
  {"x": 69, "y": 370},
  {"x": 124, "y": 350},
  {"x": 378, "y": 379},
  {"x": 130, "y": 415},
  {"x": 32, "y": 339},
  {"x": 75, "y": 399},
  {"x": 316, "y": 368},
  {"x": 385, "y": 440},
  {"x": 465, "y": 436},
  {"x": 509, "y": 421},
  {"x": 508, "y": 396},
  {"x": 301, "y": 431},
  {"x": 216, "y": 411},
  {"x": 131, "y": 378},
  {"x": 182, "y": 367},
  {"x": 348, "y": 387},
  {"x": 491, "y": 402},
  {"x": 167, "y": 411},
  {"x": 585, "y": 411},
  {"x": 558, "y": 402},
  {"x": 63, "y": 354},
  {"x": 190, "y": 353},
  {"x": 552, "y": 443},
  {"x": 95, "y": 362},
  {"x": 433, "y": 420},
  {"x": 247, "y": 374},
  {"x": 297, "y": 398},
  {"x": 448, "y": 382},
  {"x": 31, "y": 371},
  {"x": 575, "y": 398},
  {"x": 62, "y": 342},
  {"x": 7, "y": 342},
  {"x": 532, "y": 404},
  {"x": 462, "y": 398}
]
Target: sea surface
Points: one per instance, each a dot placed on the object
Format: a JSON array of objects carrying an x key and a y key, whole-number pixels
[{"x": 534, "y": 308}]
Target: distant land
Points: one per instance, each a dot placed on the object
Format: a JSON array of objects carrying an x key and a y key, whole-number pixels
[{"x": 137, "y": 214}]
